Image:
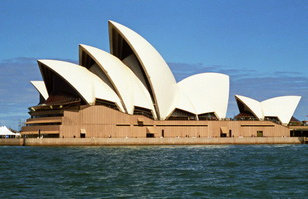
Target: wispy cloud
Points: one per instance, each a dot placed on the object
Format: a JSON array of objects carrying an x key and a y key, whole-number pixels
[{"x": 183, "y": 70}]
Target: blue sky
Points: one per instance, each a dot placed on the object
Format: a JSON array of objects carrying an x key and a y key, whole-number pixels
[{"x": 261, "y": 45}]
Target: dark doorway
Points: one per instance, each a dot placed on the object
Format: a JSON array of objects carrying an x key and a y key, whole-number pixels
[
  {"x": 223, "y": 135},
  {"x": 230, "y": 133},
  {"x": 299, "y": 133},
  {"x": 82, "y": 135},
  {"x": 150, "y": 135},
  {"x": 259, "y": 133},
  {"x": 163, "y": 133}
]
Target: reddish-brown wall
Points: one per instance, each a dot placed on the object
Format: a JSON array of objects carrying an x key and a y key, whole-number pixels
[
  {"x": 104, "y": 122},
  {"x": 100, "y": 121}
]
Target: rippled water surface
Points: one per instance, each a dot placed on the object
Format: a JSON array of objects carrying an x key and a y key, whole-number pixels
[{"x": 252, "y": 171}]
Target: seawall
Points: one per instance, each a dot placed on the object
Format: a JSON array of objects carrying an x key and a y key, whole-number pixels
[{"x": 147, "y": 141}]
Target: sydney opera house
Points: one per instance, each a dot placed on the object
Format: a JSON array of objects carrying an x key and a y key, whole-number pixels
[{"x": 131, "y": 92}]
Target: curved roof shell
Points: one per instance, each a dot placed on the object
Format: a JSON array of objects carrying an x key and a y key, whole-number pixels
[
  {"x": 182, "y": 102},
  {"x": 88, "y": 85},
  {"x": 282, "y": 107},
  {"x": 161, "y": 81},
  {"x": 252, "y": 105},
  {"x": 41, "y": 88},
  {"x": 208, "y": 92},
  {"x": 128, "y": 87}
]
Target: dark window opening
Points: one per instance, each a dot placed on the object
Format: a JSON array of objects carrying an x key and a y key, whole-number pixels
[
  {"x": 106, "y": 103},
  {"x": 46, "y": 115},
  {"x": 295, "y": 122},
  {"x": 179, "y": 114},
  {"x": 299, "y": 133},
  {"x": 122, "y": 124},
  {"x": 43, "y": 135},
  {"x": 223, "y": 135},
  {"x": 259, "y": 133},
  {"x": 207, "y": 116},
  {"x": 245, "y": 116},
  {"x": 273, "y": 119},
  {"x": 143, "y": 111},
  {"x": 150, "y": 135},
  {"x": 82, "y": 135},
  {"x": 44, "y": 124}
]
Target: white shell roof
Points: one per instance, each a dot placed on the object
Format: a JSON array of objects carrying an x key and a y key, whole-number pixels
[
  {"x": 282, "y": 107},
  {"x": 87, "y": 84},
  {"x": 158, "y": 73},
  {"x": 208, "y": 92},
  {"x": 129, "y": 88},
  {"x": 41, "y": 88},
  {"x": 183, "y": 102},
  {"x": 253, "y": 105}
]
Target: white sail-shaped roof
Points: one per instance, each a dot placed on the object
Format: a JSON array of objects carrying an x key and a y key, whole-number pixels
[
  {"x": 208, "y": 92},
  {"x": 182, "y": 102},
  {"x": 282, "y": 107},
  {"x": 41, "y": 88},
  {"x": 253, "y": 105},
  {"x": 161, "y": 81},
  {"x": 88, "y": 85},
  {"x": 128, "y": 87}
]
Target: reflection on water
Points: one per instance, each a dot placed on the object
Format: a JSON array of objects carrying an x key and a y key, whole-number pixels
[{"x": 211, "y": 171}]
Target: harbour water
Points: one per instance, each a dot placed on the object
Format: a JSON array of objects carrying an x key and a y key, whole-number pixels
[{"x": 224, "y": 171}]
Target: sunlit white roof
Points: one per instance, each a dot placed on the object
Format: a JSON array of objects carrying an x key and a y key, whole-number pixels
[
  {"x": 282, "y": 107},
  {"x": 136, "y": 75},
  {"x": 161, "y": 80},
  {"x": 182, "y": 102},
  {"x": 87, "y": 84},
  {"x": 253, "y": 105},
  {"x": 128, "y": 87},
  {"x": 41, "y": 88},
  {"x": 208, "y": 92}
]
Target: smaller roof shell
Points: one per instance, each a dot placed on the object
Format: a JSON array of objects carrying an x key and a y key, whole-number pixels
[
  {"x": 208, "y": 92},
  {"x": 41, "y": 88},
  {"x": 87, "y": 84},
  {"x": 282, "y": 107},
  {"x": 253, "y": 105},
  {"x": 128, "y": 87}
]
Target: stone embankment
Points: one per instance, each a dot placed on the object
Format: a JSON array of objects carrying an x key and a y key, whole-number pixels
[{"x": 147, "y": 141}]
